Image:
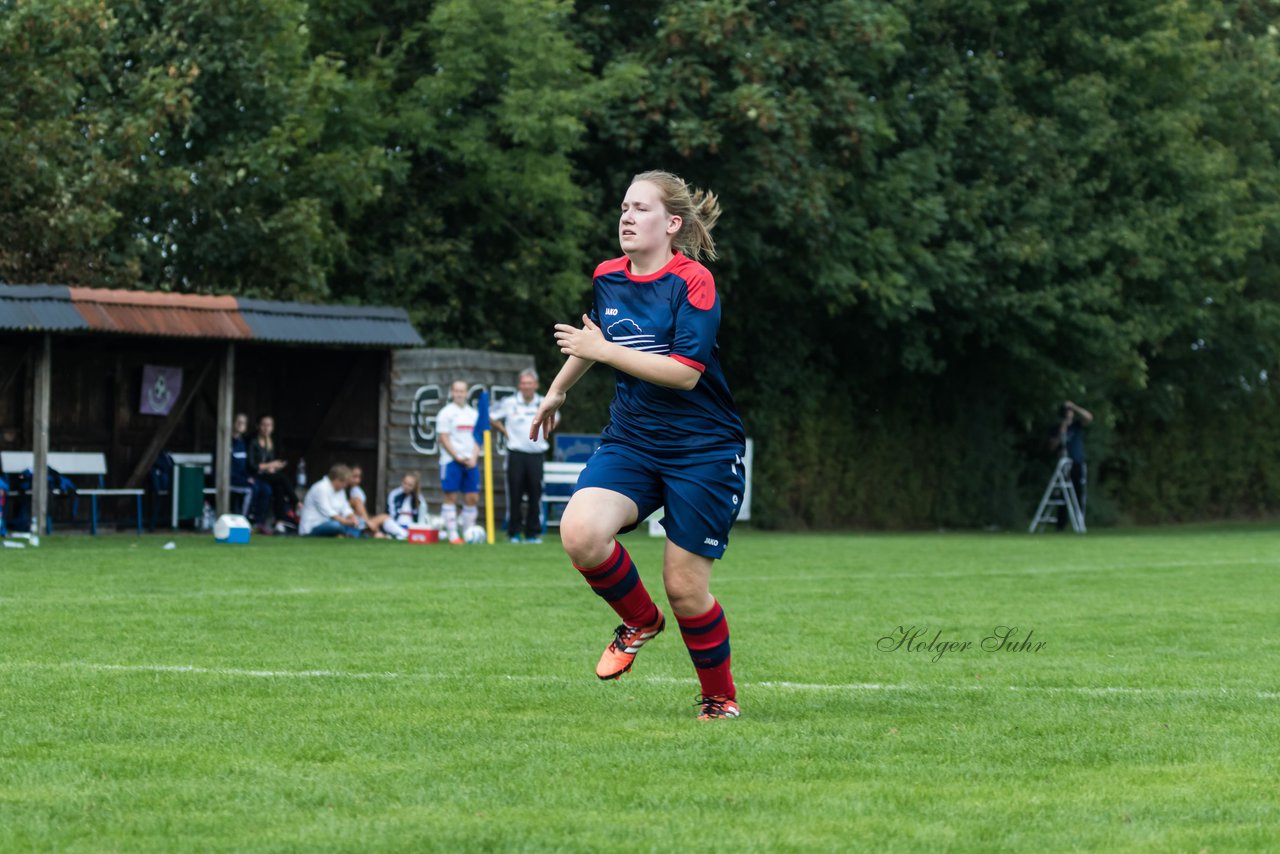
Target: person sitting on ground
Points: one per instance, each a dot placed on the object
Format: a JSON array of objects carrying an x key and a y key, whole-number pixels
[
  {"x": 405, "y": 504},
  {"x": 379, "y": 525},
  {"x": 325, "y": 511}
]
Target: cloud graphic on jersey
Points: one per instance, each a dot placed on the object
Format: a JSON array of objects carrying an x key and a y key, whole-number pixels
[{"x": 625, "y": 326}]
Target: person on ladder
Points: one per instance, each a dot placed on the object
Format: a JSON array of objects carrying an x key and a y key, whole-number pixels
[{"x": 1068, "y": 437}]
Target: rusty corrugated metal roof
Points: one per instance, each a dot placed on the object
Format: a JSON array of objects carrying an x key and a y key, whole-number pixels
[
  {"x": 58, "y": 308},
  {"x": 168, "y": 315}
]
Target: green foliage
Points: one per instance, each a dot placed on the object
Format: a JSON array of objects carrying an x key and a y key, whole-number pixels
[
  {"x": 70, "y": 139},
  {"x": 983, "y": 209},
  {"x": 211, "y": 151},
  {"x": 247, "y": 192},
  {"x": 481, "y": 235}
]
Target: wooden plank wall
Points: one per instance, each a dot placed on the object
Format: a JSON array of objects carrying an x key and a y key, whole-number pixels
[
  {"x": 420, "y": 381},
  {"x": 324, "y": 402}
]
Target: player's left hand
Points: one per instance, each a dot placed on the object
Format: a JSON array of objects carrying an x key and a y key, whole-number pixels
[{"x": 585, "y": 343}]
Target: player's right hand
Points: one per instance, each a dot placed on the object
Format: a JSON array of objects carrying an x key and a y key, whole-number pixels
[{"x": 546, "y": 415}]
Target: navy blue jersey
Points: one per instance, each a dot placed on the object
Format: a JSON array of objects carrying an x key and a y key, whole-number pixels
[
  {"x": 239, "y": 462},
  {"x": 674, "y": 312}
]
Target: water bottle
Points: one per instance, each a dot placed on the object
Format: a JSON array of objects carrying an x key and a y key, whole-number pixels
[
  {"x": 302, "y": 473},
  {"x": 207, "y": 520}
]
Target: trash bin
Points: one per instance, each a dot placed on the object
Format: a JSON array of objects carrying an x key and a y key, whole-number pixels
[{"x": 190, "y": 490}]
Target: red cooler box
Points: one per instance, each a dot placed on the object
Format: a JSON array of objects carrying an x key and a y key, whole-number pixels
[{"x": 422, "y": 535}]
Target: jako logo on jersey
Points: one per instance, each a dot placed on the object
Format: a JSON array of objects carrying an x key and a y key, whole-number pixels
[
  {"x": 710, "y": 542},
  {"x": 610, "y": 312}
]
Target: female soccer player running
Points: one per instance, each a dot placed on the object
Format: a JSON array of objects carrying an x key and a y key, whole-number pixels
[{"x": 674, "y": 438}]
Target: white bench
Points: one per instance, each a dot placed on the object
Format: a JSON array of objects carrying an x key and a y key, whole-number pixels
[
  {"x": 562, "y": 476},
  {"x": 71, "y": 463}
]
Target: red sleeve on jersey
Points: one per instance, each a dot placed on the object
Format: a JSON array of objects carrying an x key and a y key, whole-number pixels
[
  {"x": 702, "y": 288},
  {"x": 684, "y": 360},
  {"x": 613, "y": 265}
]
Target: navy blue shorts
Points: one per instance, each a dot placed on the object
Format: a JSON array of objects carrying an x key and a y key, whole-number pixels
[
  {"x": 701, "y": 499},
  {"x": 455, "y": 477}
]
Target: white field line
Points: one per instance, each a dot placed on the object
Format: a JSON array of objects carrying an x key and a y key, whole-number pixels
[
  {"x": 203, "y": 671},
  {"x": 849, "y": 687}
]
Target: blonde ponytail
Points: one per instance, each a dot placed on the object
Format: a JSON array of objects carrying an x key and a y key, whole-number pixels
[{"x": 699, "y": 210}]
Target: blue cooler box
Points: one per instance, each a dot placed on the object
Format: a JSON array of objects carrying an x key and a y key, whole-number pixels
[{"x": 231, "y": 529}]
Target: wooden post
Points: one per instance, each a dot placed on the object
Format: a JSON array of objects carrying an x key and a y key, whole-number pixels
[
  {"x": 222, "y": 451},
  {"x": 40, "y": 435},
  {"x": 118, "y": 458},
  {"x": 384, "y": 413}
]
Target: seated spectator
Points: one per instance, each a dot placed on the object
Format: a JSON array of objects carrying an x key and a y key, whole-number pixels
[
  {"x": 264, "y": 466},
  {"x": 260, "y": 493},
  {"x": 405, "y": 504},
  {"x": 325, "y": 511},
  {"x": 379, "y": 525}
]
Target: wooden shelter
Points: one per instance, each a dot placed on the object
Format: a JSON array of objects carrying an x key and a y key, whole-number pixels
[{"x": 73, "y": 361}]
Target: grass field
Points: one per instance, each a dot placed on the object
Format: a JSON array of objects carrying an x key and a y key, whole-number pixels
[{"x": 300, "y": 696}]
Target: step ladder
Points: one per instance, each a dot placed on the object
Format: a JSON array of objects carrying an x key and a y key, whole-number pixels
[{"x": 1059, "y": 493}]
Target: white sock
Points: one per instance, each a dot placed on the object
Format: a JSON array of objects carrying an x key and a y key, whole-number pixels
[
  {"x": 449, "y": 514},
  {"x": 468, "y": 517},
  {"x": 394, "y": 529}
]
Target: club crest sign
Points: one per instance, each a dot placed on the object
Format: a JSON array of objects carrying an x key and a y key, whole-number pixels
[{"x": 161, "y": 387}]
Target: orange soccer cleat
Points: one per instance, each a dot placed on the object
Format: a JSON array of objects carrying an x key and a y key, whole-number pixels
[
  {"x": 715, "y": 708},
  {"x": 621, "y": 651}
]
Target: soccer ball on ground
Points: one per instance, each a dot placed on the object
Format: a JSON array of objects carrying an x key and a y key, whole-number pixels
[{"x": 475, "y": 534}]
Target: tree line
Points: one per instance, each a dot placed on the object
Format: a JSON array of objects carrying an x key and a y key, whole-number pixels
[{"x": 942, "y": 217}]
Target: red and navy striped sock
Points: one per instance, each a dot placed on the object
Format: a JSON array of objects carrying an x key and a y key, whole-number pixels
[
  {"x": 707, "y": 637},
  {"x": 617, "y": 582}
]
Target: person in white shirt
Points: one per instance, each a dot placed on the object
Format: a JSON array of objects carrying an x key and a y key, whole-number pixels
[
  {"x": 513, "y": 418},
  {"x": 325, "y": 511},
  {"x": 459, "y": 461}
]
